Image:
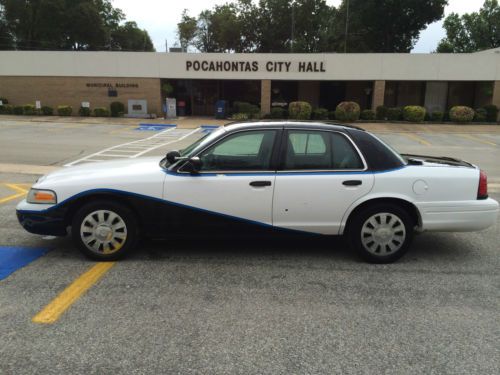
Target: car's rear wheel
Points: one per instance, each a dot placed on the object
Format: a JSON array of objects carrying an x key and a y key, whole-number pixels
[
  {"x": 381, "y": 233},
  {"x": 105, "y": 230}
]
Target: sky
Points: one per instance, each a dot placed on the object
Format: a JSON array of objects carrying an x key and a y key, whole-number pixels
[{"x": 160, "y": 18}]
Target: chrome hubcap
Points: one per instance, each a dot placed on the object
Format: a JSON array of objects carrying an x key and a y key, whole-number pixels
[
  {"x": 103, "y": 232},
  {"x": 383, "y": 234}
]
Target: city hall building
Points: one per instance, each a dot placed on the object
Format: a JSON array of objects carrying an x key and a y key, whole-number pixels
[{"x": 197, "y": 80}]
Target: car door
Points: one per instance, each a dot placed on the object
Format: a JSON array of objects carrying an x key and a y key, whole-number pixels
[
  {"x": 234, "y": 187},
  {"x": 321, "y": 174}
]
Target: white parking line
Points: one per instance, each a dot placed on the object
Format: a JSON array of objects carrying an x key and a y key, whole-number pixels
[{"x": 139, "y": 147}]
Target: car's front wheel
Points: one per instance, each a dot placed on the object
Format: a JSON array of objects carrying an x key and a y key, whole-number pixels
[
  {"x": 105, "y": 230},
  {"x": 381, "y": 233}
]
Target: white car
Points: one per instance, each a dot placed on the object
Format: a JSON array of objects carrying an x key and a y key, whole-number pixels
[{"x": 264, "y": 178}]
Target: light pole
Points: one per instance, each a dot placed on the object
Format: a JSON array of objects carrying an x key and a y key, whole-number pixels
[
  {"x": 346, "y": 25},
  {"x": 293, "y": 26}
]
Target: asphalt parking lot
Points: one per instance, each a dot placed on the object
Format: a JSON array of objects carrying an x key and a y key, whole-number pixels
[{"x": 214, "y": 307}]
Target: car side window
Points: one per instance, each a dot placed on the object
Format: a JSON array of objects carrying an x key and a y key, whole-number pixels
[
  {"x": 319, "y": 150},
  {"x": 242, "y": 151}
]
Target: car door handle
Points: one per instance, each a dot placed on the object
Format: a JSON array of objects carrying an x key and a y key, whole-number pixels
[
  {"x": 352, "y": 183},
  {"x": 260, "y": 183}
]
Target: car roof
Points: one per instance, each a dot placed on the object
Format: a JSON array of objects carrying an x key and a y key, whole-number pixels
[{"x": 292, "y": 124}]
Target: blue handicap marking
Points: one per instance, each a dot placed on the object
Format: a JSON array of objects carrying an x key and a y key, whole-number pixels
[
  {"x": 208, "y": 128},
  {"x": 16, "y": 257},
  {"x": 154, "y": 127}
]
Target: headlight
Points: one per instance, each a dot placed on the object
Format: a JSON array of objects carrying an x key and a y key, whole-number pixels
[{"x": 41, "y": 196}]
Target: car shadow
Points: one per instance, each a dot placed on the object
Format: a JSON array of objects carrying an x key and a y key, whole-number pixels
[{"x": 435, "y": 248}]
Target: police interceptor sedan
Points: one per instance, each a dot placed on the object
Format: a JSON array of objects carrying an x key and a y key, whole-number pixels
[{"x": 263, "y": 178}]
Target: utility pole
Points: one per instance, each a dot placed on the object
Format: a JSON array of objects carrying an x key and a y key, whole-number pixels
[
  {"x": 293, "y": 26},
  {"x": 346, "y": 25},
  {"x": 166, "y": 45}
]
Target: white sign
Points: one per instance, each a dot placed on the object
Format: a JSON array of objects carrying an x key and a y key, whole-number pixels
[
  {"x": 85, "y": 104},
  {"x": 38, "y": 104},
  {"x": 171, "y": 107},
  {"x": 1, "y": 103}
]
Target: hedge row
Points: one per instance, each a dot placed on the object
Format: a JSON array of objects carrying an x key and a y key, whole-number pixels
[
  {"x": 460, "y": 114},
  {"x": 117, "y": 109},
  {"x": 350, "y": 112}
]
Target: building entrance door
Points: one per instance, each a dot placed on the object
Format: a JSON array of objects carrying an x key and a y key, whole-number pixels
[{"x": 205, "y": 94}]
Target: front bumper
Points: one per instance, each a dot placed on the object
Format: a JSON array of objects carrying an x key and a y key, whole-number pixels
[
  {"x": 467, "y": 216},
  {"x": 49, "y": 221}
]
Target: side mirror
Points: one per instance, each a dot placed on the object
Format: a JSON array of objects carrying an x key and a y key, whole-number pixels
[
  {"x": 193, "y": 165},
  {"x": 172, "y": 156}
]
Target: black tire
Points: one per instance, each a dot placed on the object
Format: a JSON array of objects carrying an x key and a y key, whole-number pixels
[
  {"x": 386, "y": 242},
  {"x": 115, "y": 242}
]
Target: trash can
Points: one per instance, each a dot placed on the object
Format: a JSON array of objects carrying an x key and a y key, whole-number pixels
[
  {"x": 220, "y": 109},
  {"x": 181, "y": 108}
]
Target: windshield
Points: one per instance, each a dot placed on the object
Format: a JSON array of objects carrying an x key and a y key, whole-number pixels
[{"x": 200, "y": 143}]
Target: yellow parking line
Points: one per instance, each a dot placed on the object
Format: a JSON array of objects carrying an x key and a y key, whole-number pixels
[
  {"x": 417, "y": 138},
  {"x": 11, "y": 197},
  {"x": 20, "y": 193},
  {"x": 17, "y": 187},
  {"x": 52, "y": 312},
  {"x": 477, "y": 139}
]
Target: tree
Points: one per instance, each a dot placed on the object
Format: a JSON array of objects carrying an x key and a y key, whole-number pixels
[
  {"x": 129, "y": 37},
  {"x": 6, "y": 38},
  {"x": 385, "y": 25},
  {"x": 313, "y": 21},
  {"x": 312, "y": 25},
  {"x": 186, "y": 30},
  {"x": 474, "y": 31},
  {"x": 204, "y": 37},
  {"x": 274, "y": 26},
  {"x": 68, "y": 25},
  {"x": 247, "y": 13}
]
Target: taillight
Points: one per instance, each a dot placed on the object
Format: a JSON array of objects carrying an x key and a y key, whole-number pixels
[{"x": 482, "y": 191}]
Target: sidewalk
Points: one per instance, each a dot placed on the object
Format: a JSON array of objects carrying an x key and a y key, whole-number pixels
[{"x": 195, "y": 122}]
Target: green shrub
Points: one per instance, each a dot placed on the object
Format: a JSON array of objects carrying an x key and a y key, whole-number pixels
[
  {"x": 480, "y": 115},
  {"x": 5, "y": 109},
  {"x": 239, "y": 116},
  {"x": 299, "y": 111},
  {"x": 18, "y": 110},
  {"x": 243, "y": 107},
  {"x": 320, "y": 114},
  {"x": 414, "y": 113},
  {"x": 492, "y": 113},
  {"x": 368, "y": 115},
  {"x": 117, "y": 109},
  {"x": 437, "y": 116},
  {"x": 47, "y": 111},
  {"x": 4, "y": 100},
  {"x": 277, "y": 113},
  {"x": 381, "y": 112},
  {"x": 29, "y": 110},
  {"x": 348, "y": 111},
  {"x": 394, "y": 114},
  {"x": 64, "y": 110},
  {"x": 331, "y": 115},
  {"x": 101, "y": 112},
  {"x": 84, "y": 111},
  {"x": 461, "y": 114}
]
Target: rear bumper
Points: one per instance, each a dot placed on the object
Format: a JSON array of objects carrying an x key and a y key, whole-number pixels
[
  {"x": 44, "y": 222},
  {"x": 467, "y": 216}
]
